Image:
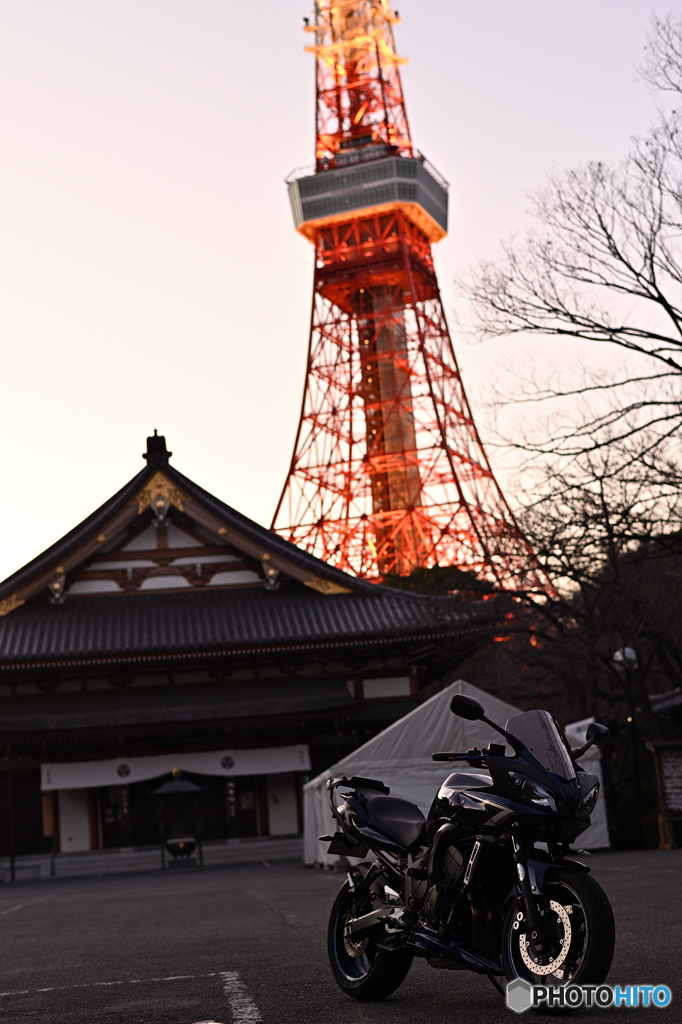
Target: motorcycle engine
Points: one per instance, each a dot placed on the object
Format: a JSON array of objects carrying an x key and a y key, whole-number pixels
[{"x": 452, "y": 870}]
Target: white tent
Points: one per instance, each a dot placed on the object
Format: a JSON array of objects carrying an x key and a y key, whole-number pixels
[
  {"x": 596, "y": 837},
  {"x": 400, "y": 757}
]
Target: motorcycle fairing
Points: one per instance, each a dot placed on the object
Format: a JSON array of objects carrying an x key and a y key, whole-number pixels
[
  {"x": 465, "y": 780},
  {"x": 476, "y": 811}
]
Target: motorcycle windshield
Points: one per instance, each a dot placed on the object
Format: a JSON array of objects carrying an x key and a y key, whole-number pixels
[{"x": 539, "y": 733}]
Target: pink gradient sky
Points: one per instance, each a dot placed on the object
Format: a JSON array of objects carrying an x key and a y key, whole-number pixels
[{"x": 150, "y": 275}]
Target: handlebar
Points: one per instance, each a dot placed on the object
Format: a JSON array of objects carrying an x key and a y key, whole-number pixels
[{"x": 443, "y": 756}]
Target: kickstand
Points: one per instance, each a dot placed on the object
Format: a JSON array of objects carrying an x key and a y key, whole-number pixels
[{"x": 496, "y": 984}]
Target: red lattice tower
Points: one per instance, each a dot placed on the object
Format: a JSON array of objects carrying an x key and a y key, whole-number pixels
[{"x": 388, "y": 472}]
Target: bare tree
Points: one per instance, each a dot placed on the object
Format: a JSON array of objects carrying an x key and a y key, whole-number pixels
[
  {"x": 662, "y": 67},
  {"x": 611, "y": 635},
  {"x": 612, "y": 543},
  {"x": 604, "y": 265}
]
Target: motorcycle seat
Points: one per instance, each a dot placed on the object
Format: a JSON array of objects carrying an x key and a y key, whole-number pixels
[
  {"x": 467, "y": 780},
  {"x": 398, "y": 819}
]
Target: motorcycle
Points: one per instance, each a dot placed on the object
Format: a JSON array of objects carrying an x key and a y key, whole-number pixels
[{"x": 488, "y": 882}]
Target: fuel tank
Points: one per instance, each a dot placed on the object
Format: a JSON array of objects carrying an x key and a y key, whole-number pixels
[{"x": 468, "y": 803}]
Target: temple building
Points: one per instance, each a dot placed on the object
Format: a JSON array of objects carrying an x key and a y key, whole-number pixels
[{"x": 168, "y": 637}]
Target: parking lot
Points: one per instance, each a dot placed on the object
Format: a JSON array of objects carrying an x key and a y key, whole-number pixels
[{"x": 238, "y": 945}]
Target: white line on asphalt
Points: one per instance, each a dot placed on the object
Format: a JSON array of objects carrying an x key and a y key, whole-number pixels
[
  {"x": 244, "y": 1010},
  {"x": 100, "y": 984},
  {"x": 30, "y": 903}
]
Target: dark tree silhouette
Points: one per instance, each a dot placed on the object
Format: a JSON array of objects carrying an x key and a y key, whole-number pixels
[{"x": 604, "y": 265}]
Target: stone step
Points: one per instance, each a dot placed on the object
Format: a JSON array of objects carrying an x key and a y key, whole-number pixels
[{"x": 109, "y": 862}]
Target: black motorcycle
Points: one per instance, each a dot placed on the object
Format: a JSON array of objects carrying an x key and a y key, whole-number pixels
[{"x": 488, "y": 882}]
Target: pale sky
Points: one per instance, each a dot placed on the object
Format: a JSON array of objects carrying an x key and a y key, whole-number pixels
[{"x": 150, "y": 274}]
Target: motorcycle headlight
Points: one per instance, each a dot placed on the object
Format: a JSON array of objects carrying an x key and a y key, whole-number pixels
[
  {"x": 586, "y": 804},
  {"x": 532, "y": 792}
]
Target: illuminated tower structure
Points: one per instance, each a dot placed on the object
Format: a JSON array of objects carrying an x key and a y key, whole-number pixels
[{"x": 388, "y": 472}]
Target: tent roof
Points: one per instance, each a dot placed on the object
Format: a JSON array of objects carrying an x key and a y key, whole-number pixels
[{"x": 411, "y": 740}]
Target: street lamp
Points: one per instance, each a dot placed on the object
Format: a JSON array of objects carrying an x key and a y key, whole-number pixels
[
  {"x": 625, "y": 658},
  {"x": 625, "y": 662}
]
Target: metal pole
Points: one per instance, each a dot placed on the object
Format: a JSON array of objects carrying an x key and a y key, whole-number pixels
[
  {"x": 197, "y": 828},
  {"x": 10, "y": 810},
  {"x": 337, "y": 738},
  {"x": 162, "y": 835},
  {"x": 633, "y": 737},
  {"x": 626, "y": 661}
]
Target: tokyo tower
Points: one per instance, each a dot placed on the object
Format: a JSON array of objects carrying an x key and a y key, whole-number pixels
[{"x": 388, "y": 472}]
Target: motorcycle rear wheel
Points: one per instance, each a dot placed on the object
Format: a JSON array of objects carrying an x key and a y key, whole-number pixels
[
  {"x": 582, "y": 919},
  {"x": 370, "y": 974}
]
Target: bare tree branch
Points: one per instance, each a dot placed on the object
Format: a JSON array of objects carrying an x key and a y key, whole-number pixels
[{"x": 604, "y": 265}]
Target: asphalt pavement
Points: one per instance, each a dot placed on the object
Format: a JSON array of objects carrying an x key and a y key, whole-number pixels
[{"x": 246, "y": 944}]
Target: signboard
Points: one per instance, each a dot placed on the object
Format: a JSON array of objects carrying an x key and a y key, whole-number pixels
[{"x": 668, "y": 761}]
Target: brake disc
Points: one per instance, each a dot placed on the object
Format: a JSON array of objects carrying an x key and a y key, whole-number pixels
[
  {"x": 525, "y": 949},
  {"x": 354, "y": 947}
]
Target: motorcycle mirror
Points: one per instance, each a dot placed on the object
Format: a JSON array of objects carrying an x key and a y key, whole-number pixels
[
  {"x": 467, "y": 707},
  {"x": 597, "y": 733}
]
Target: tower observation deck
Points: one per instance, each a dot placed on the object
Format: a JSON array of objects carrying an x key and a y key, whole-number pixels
[
  {"x": 388, "y": 472},
  {"x": 371, "y": 182}
]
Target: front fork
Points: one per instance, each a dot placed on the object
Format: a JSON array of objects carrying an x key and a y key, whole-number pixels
[{"x": 529, "y": 900}]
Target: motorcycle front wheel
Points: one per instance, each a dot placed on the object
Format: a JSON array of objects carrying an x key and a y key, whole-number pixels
[
  {"x": 580, "y": 935},
  {"x": 361, "y": 969}
]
